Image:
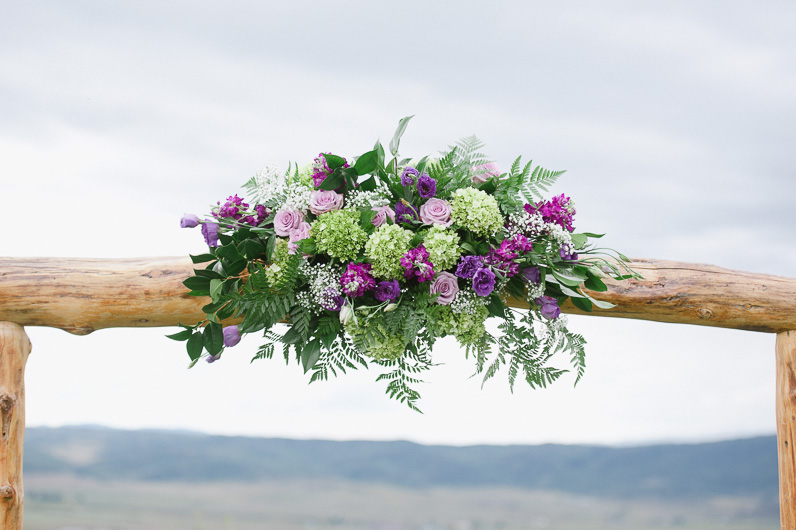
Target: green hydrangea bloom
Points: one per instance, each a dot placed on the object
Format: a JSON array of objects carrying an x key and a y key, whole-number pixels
[
  {"x": 279, "y": 259},
  {"x": 476, "y": 211},
  {"x": 384, "y": 249},
  {"x": 443, "y": 247},
  {"x": 339, "y": 235},
  {"x": 468, "y": 329},
  {"x": 373, "y": 340}
]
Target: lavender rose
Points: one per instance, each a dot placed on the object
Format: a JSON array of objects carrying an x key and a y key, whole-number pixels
[
  {"x": 548, "y": 307},
  {"x": 189, "y": 220},
  {"x": 287, "y": 220},
  {"x": 446, "y": 285},
  {"x": 485, "y": 172},
  {"x": 296, "y": 235},
  {"x": 436, "y": 212},
  {"x": 382, "y": 213},
  {"x": 483, "y": 282},
  {"x": 231, "y": 336},
  {"x": 323, "y": 201}
]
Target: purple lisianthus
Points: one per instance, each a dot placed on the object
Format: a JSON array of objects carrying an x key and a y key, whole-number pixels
[
  {"x": 531, "y": 275},
  {"x": 210, "y": 233},
  {"x": 446, "y": 285},
  {"x": 548, "y": 307},
  {"x": 231, "y": 336},
  {"x": 189, "y": 220},
  {"x": 468, "y": 265},
  {"x": 387, "y": 291},
  {"x": 416, "y": 264},
  {"x": 483, "y": 282},
  {"x": 426, "y": 186},
  {"x": 357, "y": 279},
  {"x": 408, "y": 176},
  {"x": 404, "y": 212}
]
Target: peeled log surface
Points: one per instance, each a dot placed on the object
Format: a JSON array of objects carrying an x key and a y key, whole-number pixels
[
  {"x": 786, "y": 426},
  {"x": 82, "y": 295},
  {"x": 14, "y": 351}
]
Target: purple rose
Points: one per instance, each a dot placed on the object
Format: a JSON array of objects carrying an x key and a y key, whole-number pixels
[
  {"x": 468, "y": 265},
  {"x": 436, "y": 212},
  {"x": 387, "y": 290},
  {"x": 287, "y": 220},
  {"x": 446, "y": 285},
  {"x": 408, "y": 176},
  {"x": 189, "y": 220},
  {"x": 485, "y": 172},
  {"x": 323, "y": 201},
  {"x": 426, "y": 186},
  {"x": 548, "y": 307},
  {"x": 483, "y": 282},
  {"x": 210, "y": 233},
  {"x": 296, "y": 235},
  {"x": 531, "y": 275},
  {"x": 382, "y": 213},
  {"x": 231, "y": 336}
]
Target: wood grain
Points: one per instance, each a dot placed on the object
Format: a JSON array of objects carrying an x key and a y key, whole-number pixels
[
  {"x": 786, "y": 426},
  {"x": 82, "y": 295},
  {"x": 14, "y": 350}
]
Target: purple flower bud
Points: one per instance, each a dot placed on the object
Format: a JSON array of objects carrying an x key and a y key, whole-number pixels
[
  {"x": 212, "y": 358},
  {"x": 426, "y": 186},
  {"x": 189, "y": 220},
  {"x": 531, "y": 275},
  {"x": 210, "y": 233},
  {"x": 408, "y": 176},
  {"x": 483, "y": 282},
  {"x": 548, "y": 307},
  {"x": 231, "y": 336}
]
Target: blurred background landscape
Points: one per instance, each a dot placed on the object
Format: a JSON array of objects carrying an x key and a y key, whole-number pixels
[{"x": 96, "y": 478}]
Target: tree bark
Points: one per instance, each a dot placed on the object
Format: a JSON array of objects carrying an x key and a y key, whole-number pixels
[
  {"x": 82, "y": 295},
  {"x": 14, "y": 350}
]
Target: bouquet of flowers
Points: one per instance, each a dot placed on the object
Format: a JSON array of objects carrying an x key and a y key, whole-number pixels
[{"x": 369, "y": 261}]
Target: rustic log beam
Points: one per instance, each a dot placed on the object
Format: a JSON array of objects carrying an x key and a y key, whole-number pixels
[
  {"x": 786, "y": 427},
  {"x": 14, "y": 351},
  {"x": 82, "y": 295}
]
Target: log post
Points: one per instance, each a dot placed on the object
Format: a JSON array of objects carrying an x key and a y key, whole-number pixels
[
  {"x": 14, "y": 350},
  {"x": 786, "y": 427}
]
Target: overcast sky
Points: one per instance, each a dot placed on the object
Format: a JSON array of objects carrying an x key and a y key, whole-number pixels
[{"x": 675, "y": 123}]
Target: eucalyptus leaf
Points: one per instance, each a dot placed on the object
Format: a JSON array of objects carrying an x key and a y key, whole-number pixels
[
  {"x": 584, "y": 304},
  {"x": 396, "y": 138}
]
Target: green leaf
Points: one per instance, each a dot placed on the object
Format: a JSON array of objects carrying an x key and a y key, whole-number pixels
[
  {"x": 251, "y": 248},
  {"x": 368, "y": 184},
  {"x": 197, "y": 283},
  {"x": 366, "y": 220},
  {"x": 495, "y": 307},
  {"x": 396, "y": 138},
  {"x": 334, "y": 161},
  {"x": 194, "y": 346},
  {"x": 333, "y": 181},
  {"x": 307, "y": 246},
  {"x": 234, "y": 268},
  {"x": 208, "y": 273},
  {"x": 292, "y": 336},
  {"x": 593, "y": 236},
  {"x": 567, "y": 278},
  {"x": 379, "y": 153},
  {"x": 367, "y": 163},
  {"x": 595, "y": 284},
  {"x": 584, "y": 304},
  {"x": 310, "y": 354},
  {"x": 202, "y": 258},
  {"x": 579, "y": 240},
  {"x": 213, "y": 338},
  {"x": 215, "y": 288},
  {"x": 181, "y": 335},
  {"x": 269, "y": 248}
]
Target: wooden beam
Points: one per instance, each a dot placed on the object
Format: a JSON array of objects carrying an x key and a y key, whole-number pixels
[
  {"x": 14, "y": 351},
  {"x": 82, "y": 295},
  {"x": 786, "y": 427}
]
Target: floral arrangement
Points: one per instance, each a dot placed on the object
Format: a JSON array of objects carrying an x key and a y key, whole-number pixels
[{"x": 369, "y": 262}]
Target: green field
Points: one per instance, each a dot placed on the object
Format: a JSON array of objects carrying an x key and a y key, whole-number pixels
[{"x": 67, "y": 502}]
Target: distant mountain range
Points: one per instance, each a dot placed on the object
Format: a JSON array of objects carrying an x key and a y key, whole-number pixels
[{"x": 746, "y": 467}]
